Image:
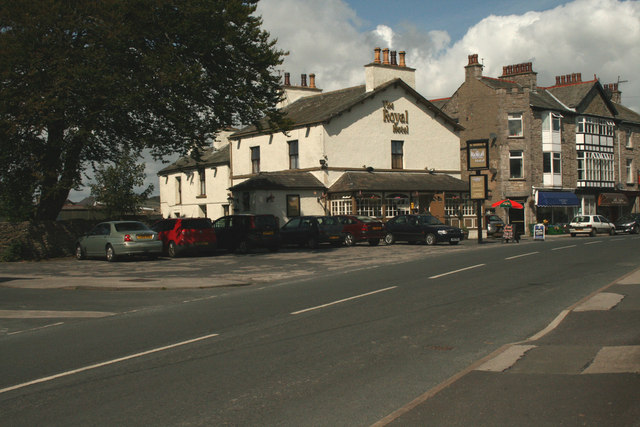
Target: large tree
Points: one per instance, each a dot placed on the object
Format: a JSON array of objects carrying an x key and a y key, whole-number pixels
[{"x": 83, "y": 81}]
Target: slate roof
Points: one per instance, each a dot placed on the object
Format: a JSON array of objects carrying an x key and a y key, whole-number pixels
[
  {"x": 279, "y": 181},
  {"x": 321, "y": 108},
  {"x": 397, "y": 181},
  {"x": 627, "y": 114},
  {"x": 573, "y": 94},
  {"x": 209, "y": 157},
  {"x": 499, "y": 83}
]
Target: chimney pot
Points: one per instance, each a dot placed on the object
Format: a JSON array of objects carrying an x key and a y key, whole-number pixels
[
  {"x": 287, "y": 79},
  {"x": 385, "y": 56},
  {"x": 376, "y": 58},
  {"x": 579, "y": 77},
  {"x": 402, "y": 54},
  {"x": 303, "y": 80},
  {"x": 312, "y": 81},
  {"x": 557, "y": 80},
  {"x": 393, "y": 58}
]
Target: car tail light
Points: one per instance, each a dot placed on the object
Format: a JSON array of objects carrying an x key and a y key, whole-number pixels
[
  {"x": 589, "y": 225},
  {"x": 127, "y": 238},
  {"x": 365, "y": 228},
  {"x": 252, "y": 221}
]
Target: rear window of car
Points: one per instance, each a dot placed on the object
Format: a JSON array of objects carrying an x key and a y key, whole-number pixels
[
  {"x": 265, "y": 221},
  {"x": 196, "y": 223},
  {"x": 131, "y": 226},
  {"x": 366, "y": 219},
  {"x": 328, "y": 220},
  {"x": 581, "y": 219}
]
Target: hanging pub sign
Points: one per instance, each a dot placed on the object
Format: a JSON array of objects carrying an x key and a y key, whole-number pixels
[
  {"x": 477, "y": 154},
  {"x": 478, "y": 187}
]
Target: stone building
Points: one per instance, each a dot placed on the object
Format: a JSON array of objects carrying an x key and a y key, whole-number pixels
[{"x": 559, "y": 150}]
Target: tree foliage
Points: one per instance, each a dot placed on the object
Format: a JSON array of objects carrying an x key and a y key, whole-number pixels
[
  {"x": 85, "y": 81},
  {"x": 115, "y": 184}
]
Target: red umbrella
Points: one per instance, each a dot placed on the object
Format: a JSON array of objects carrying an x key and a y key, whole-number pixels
[{"x": 507, "y": 203}]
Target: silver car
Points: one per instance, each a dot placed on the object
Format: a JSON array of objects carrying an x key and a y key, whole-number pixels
[
  {"x": 591, "y": 225},
  {"x": 115, "y": 239}
]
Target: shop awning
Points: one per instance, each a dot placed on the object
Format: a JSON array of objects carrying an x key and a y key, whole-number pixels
[
  {"x": 612, "y": 199},
  {"x": 557, "y": 198}
]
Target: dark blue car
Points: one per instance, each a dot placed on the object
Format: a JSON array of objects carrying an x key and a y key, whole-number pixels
[{"x": 420, "y": 228}]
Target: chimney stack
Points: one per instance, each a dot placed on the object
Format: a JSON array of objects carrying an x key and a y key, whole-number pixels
[
  {"x": 385, "y": 56},
  {"x": 402, "y": 54},
  {"x": 393, "y": 58},
  {"x": 312, "y": 81},
  {"x": 522, "y": 74},
  {"x": 473, "y": 70}
]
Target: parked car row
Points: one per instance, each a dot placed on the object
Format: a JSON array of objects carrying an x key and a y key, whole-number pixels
[{"x": 243, "y": 233}]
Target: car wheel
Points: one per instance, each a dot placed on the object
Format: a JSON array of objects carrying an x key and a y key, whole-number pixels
[
  {"x": 312, "y": 243},
  {"x": 635, "y": 229},
  {"x": 349, "y": 240},
  {"x": 374, "y": 242},
  {"x": 612, "y": 232},
  {"x": 573, "y": 234},
  {"x": 79, "y": 253},
  {"x": 110, "y": 254},
  {"x": 453, "y": 243},
  {"x": 274, "y": 248},
  {"x": 593, "y": 233},
  {"x": 389, "y": 239},
  {"x": 430, "y": 239},
  {"x": 243, "y": 247},
  {"x": 172, "y": 250}
]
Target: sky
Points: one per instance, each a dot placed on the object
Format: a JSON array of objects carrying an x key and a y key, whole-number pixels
[{"x": 334, "y": 39}]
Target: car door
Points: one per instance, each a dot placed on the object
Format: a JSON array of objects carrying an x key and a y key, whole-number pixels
[
  {"x": 95, "y": 241},
  {"x": 222, "y": 228},
  {"x": 399, "y": 227},
  {"x": 290, "y": 231}
]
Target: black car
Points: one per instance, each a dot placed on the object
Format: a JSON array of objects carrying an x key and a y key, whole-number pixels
[
  {"x": 420, "y": 228},
  {"x": 629, "y": 223},
  {"x": 311, "y": 231},
  {"x": 242, "y": 233}
]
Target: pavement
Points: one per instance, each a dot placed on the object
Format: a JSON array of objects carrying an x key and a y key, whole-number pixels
[{"x": 582, "y": 369}]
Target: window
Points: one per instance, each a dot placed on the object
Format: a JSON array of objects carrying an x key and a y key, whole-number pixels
[
  {"x": 551, "y": 162},
  {"x": 515, "y": 125},
  {"x": 341, "y": 205},
  {"x": 178, "y": 190},
  {"x": 629, "y": 141},
  {"x": 515, "y": 164},
  {"x": 369, "y": 205},
  {"x": 629, "y": 171},
  {"x": 255, "y": 159},
  {"x": 556, "y": 122},
  {"x": 397, "y": 204},
  {"x": 293, "y": 155},
  {"x": 293, "y": 205},
  {"x": 397, "y": 161},
  {"x": 203, "y": 184}
]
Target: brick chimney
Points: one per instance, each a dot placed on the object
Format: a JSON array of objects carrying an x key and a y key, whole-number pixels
[
  {"x": 614, "y": 93},
  {"x": 473, "y": 70},
  {"x": 569, "y": 79},
  {"x": 379, "y": 72},
  {"x": 522, "y": 74}
]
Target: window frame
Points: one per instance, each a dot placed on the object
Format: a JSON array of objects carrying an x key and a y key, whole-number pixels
[
  {"x": 512, "y": 158},
  {"x": 202, "y": 178},
  {"x": 294, "y": 156},
  {"x": 515, "y": 118},
  {"x": 255, "y": 159},
  {"x": 397, "y": 155}
]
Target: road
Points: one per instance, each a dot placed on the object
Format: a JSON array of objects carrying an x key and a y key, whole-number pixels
[{"x": 311, "y": 344}]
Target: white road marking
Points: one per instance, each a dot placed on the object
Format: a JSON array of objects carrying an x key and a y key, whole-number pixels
[
  {"x": 593, "y": 243},
  {"x": 109, "y": 362},
  {"x": 563, "y": 247},
  {"x": 343, "y": 300},
  {"x": 521, "y": 255},
  {"x": 36, "y": 329},
  {"x": 456, "y": 271}
]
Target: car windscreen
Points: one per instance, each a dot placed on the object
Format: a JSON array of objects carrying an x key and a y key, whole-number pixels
[
  {"x": 196, "y": 223},
  {"x": 429, "y": 220},
  {"x": 627, "y": 218},
  {"x": 131, "y": 226}
]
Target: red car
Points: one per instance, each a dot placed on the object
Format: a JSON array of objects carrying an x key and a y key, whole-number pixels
[
  {"x": 358, "y": 228},
  {"x": 181, "y": 235}
]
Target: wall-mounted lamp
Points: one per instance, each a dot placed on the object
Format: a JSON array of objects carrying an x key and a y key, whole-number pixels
[
  {"x": 368, "y": 168},
  {"x": 270, "y": 198},
  {"x": 229, "y": 197}
]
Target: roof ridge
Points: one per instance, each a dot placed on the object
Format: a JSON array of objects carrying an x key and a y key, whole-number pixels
[
  {"x": 499, "y": 79},
  {"x": 567, "y": 84}
]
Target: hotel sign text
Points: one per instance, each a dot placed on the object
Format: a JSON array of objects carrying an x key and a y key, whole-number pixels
[{"x": 400, "y": 120}]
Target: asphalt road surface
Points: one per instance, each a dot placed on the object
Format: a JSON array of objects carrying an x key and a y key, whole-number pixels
[{"x": 329, "y": 337}]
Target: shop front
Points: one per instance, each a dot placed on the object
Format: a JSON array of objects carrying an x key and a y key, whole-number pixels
[{"x": 556, "y": 207}]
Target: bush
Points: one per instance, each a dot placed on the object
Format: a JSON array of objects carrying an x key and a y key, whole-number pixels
[{"x": 13, "y": 252}]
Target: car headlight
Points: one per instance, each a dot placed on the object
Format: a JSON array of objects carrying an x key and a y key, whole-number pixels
[{"x": 442, "y": 231}]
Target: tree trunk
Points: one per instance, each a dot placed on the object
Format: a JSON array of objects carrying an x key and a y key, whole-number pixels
[{"x": 59, "y": 166}]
